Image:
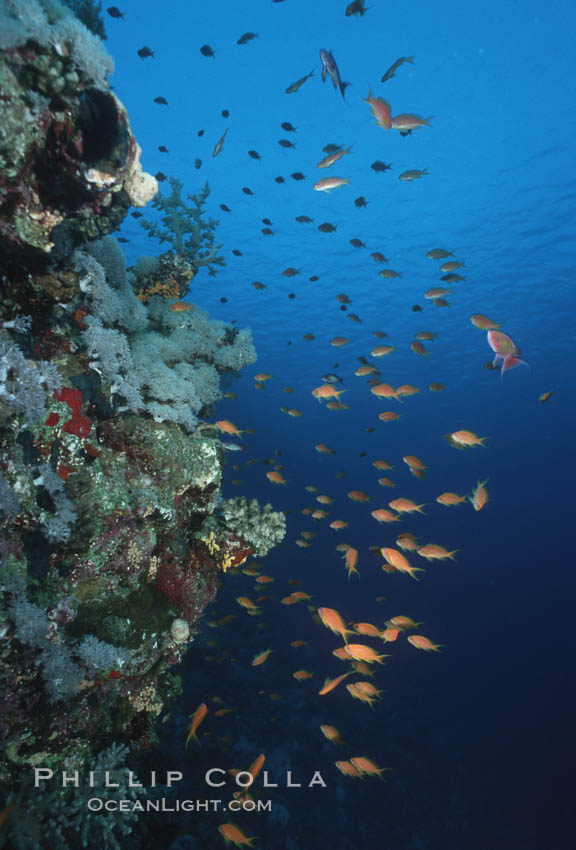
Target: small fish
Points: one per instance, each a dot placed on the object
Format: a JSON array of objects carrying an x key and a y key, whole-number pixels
[
  {"x": 295, "y": 86},
  {"x": 261, "y": 657},
  {"x": 507, "y": 352},
  {"x": 379, "y": 166},
  {"x": 163, "y": 149},
  {"x": 286, "y": 143},
  {"x": 286, "y": 125},
  {"x": 545, "y": 396},
  {"x": 479, "y": 497},
  {"x": 197, "y": 164},
  {"x": 225, "y": 114},
  {"x": 331, "y": 158},
  {"x": 232, "y": 834},
  {"x": 329, "y": 183},
  {"x": 248, "y": 36},
  {"x": 146, "y": 52},
  {"x": 357, "y": 243},
  {"x": 329, "y": 67},
  {"x": 297, "y": 175},
  {"x": 115, "y": 12},
  {"x": 219, "y": 143},
  {"x": 439, "y": 254},
  {"x": 236, "y": 252},
  {"x": 479, "y": 320},
  {"x": 197, "y": 719},
  {"x": 326, "y": 227},
  {"x": 380, "y": 110},
  {"x": 207, "y": 51},
  {"x": 355, "y": 8},
  {"x": 161, "y": 100},
  {"x": 421, "y": 642},
  {"x": 254, "y": 155},
  {"x": 360, "y": 202},
  {"x": 451, "y": 266},
  {"x": 303, "y": 219},
  {"x": 413, "y": 174},
  {"x": 279, "y": 179},
  {"x": 391, "y": 72},
  {"x": 407, "y": 121},
  {"x": 464, "y": 439},
  {"x": 233, "y": 447}
]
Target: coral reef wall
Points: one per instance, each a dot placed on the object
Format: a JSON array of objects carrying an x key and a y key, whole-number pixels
[{"x": 113, "y": 532}]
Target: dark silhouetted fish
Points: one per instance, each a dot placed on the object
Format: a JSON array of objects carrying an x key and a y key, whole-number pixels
[
  {"x": 326, "y": 227},
  {"x": 329, "y": 67},
  {"x": 161, "y": 100},
  {"x": 295, "y": 86},
  {"x": 248, "y": 36},
  {"x": 378, "y": 166},
  {"x": 146, "y": 53},
  {"x": 391, "y": 72},
  {"x": 115, "y": 12},
  {"x": 286, "y": 125},
  {"x": 207, "y": 51},
  {"x": 360, "y": 202},
  {"x": 286, "y": 143},
  {"x": 254, "y": 155}
]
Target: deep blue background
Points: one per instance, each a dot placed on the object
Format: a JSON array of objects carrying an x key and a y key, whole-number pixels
[{"x": 479, "y": 738}]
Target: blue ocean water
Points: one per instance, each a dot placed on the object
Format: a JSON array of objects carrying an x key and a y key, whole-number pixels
[{"x": 479, "y": 738}]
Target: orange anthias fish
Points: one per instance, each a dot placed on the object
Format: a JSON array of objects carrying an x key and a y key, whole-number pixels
[
  {"x": 333, "y": 621},
  {"x": 351, "y": 559},
  {"x": 479, "y": 320},
  {"x": 406, "y": 121},
  {"x": 479, "y": 496},
  {"x": 330, "y": 684},
  {"x": 261, "y": 657},
  {"x": 331, "y": 733},
  {"x": 226, "y": 427},
  {"x": 346, "y": 768},
  {"x": 367, "y": 766},
  {"x": 326, "y": 391},
  {"x": 197, "y": 719},
  {"x": 234, "y": 835},
  {"x": 361, "y": 652},
  {"x": 275, "y": 477},
  {"x": 506, "y": 351},
  {"x": 380, "y": 110},
  {"x": 421, "y": 642}
]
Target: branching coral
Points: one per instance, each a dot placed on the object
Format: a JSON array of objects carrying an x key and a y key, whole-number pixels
[{"x": 184, "y": 227}]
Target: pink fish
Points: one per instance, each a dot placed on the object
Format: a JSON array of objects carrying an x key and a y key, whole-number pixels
[
  {"x": 380, "y": 110},
  {"x": 410, "y": 122},
  {"x": 506, "y": 351}
]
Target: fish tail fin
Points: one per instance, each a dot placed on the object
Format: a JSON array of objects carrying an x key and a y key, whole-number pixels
[
  {"x": 427, "y": 120},
  {"x": 509, "y": 362},
  {"x": 343, "y": 87}
]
